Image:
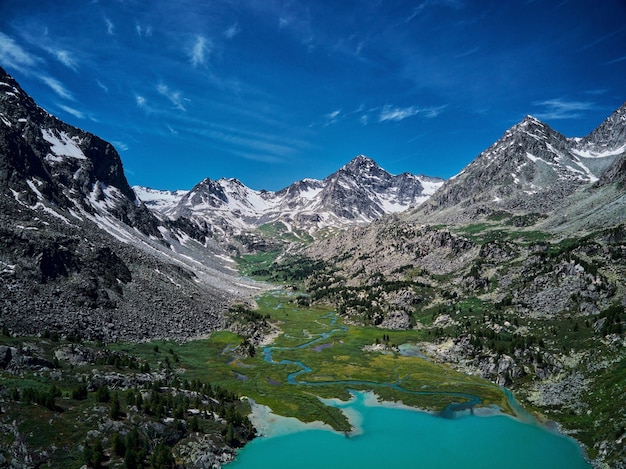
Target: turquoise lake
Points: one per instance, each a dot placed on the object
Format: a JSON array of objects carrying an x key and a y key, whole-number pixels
[{"x": 395, "y": 437}]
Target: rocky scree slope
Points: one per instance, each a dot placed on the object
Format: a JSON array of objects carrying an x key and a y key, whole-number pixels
[
  {"x": 539, "y": 316},
  {"x": 79, "y": 252}
]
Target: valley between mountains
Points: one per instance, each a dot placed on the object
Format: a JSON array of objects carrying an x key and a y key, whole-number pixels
[{"x": 135, "y": 319}]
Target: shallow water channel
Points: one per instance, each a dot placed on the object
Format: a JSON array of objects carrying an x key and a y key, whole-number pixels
[{"x": 392, "y": 436}]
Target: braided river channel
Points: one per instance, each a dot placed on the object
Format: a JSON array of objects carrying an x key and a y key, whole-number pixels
[{"x": 390, "y": 436}]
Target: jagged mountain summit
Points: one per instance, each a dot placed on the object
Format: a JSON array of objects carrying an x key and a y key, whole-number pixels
[
  {"x": 608, "y": 139},
  {"x": 359, "y": 192},
  {"x": 530, "y": 169},
  {"x": 80, "y": 252},
  {"x": 362, "y": 191}
]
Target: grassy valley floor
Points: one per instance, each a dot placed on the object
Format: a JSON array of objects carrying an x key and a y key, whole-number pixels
[
  {"x": 337, "y": 358},
  {"x": 54, "y": 407}
]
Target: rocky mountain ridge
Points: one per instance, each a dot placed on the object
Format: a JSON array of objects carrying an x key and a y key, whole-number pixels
[
  {"x": 357, "y": 193},
  {"x": 529, "y": 190},
  {"x": 46, "y": 160},
  {"x": 532, "y": 169}
]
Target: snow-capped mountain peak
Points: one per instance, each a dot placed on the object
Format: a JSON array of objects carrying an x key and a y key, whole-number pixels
[
  {"x": 532, "y": 168},
  {"x": 361, "y": 164},
  {"x": 359, "y": 192}
]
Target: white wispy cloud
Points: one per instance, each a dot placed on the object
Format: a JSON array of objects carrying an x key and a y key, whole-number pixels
[
  {"x": 429, "y": 3},
  {"x": 175, "y": 97},
  {"x": 562, "y": 109},
  {"x": 103, "y": 86},
  {"x": 120, "y": 146},
  {"x": 65, "y": 57},
  {"x": 604, "y": 38},
  {"x": 57, "y": 87},
  {"x": 14, "y": 55},
  {"x": 260, "y": 157},
  {"x": 431, "y": 112},
  {"x": 143, "y": 31},
  {"x": 110, "y": 26},
  {"x": 75, "y": 112},
  {"x": 199, "y": 51},
  {"x": 248, "y": 144},
  {"x": 141, "y": 102},
  {"x": 232, "y": 31},
  {"x": 619, "y": 59},
  {"x": 467, "y": 53},
  {"x": 416, "y": 11},
  {"x": 391, "y": 113},
  {"x": 339, "y": 115},
  {"x": 292, "y": 142},
  {"x": 331, "y": 117},
  {"x": 44, "y": 42},
  {"x": 284, "y": 21},
  {"x": 258, "y": 146}
]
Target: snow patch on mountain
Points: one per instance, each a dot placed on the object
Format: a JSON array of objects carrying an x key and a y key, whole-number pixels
[
  {"x": 159, "y": 200},
  {"x": 63, "y": 144},
  {"x": 590, "y": 153}
]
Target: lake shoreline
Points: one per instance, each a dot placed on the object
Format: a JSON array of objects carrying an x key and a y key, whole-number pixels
[{"x": 377, "y": 424}]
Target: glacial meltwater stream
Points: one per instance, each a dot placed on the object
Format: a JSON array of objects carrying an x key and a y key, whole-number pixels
[{"x": 391, "y": 436}]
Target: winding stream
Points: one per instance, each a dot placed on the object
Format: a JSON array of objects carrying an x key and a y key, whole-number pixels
[
  {"x": 451, "y": 411},
  {"x": 399, "y": 438}
]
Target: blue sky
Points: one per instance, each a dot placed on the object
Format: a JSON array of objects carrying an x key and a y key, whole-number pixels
[{"x": 273, "y": 91}]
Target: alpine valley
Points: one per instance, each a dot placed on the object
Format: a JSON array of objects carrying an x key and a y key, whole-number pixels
[{"x": 135, "y": 319}]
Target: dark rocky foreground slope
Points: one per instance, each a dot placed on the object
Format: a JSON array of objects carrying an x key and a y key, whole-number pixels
[{"x": 79, "y": 253}]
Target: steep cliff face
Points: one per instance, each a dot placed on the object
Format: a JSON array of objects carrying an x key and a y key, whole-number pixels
[
  {"x": 616, "y": 173},
  {"x": 46, "y": 161}
]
